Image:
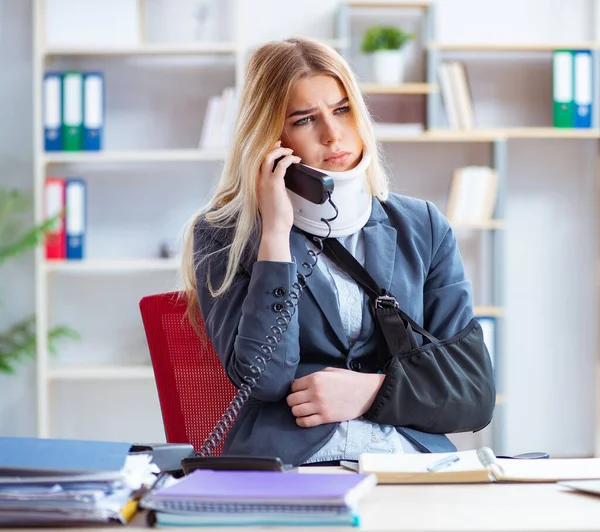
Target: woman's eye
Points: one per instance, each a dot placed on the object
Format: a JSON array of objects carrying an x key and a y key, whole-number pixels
[
  {"x": 303, "y": 121},
  {"x": 344, "y": 109}
]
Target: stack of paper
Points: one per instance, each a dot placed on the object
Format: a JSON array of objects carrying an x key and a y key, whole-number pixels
[
  {"x": 56, "y": 482},
  {"x": 215, "y": 498}
]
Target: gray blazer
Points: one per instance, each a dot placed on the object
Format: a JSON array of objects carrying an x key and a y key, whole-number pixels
[{"x": 412, "y": 253}]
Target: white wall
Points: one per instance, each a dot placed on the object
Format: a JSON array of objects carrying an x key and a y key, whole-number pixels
[
  {"x": 551, "y": 222},
  {"x": 17, "y": 403}
]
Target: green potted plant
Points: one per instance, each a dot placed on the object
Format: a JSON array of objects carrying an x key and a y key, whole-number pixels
[
  {"x": 386, "y": 43},
  {"x": 18, "y": 342}
]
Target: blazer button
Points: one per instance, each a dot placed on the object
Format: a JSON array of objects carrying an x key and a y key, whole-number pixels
[
  {"x": 279, "y": 292},
  {"x": 277, "y": 307},
  {"x": 355, "y": 365}
]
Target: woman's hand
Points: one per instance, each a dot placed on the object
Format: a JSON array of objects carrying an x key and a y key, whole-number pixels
[
  {"x": 333, "y": 395},
  {"x": 274, "y": 204},
  {"x": 275, "y": 207}
]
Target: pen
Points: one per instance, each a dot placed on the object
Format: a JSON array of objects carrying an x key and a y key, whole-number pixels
[{"x": 444, "y": 462}]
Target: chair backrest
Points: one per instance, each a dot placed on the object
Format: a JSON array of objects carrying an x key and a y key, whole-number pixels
[{"x": 193, "y": 388}]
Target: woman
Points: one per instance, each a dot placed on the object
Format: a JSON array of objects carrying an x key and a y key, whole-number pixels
[{"x": 320, "y": 398}]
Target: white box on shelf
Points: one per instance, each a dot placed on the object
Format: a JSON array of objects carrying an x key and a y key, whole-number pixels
[{"x": 93, "y": 23}]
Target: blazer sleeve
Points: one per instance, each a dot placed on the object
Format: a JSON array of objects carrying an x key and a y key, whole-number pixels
[
  {"x": 447, "y": 297},
  {"x": 433, "y": 391},
  {"x": 239, "y": 321}
]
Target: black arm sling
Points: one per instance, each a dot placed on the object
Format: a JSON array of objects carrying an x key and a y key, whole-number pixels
[{"x": 446, "y": 385}]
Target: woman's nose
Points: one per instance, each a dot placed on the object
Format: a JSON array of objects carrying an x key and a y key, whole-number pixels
[{"x": 330, "y": 132}]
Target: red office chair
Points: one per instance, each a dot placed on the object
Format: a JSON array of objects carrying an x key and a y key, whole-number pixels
[{"x": 193, "y": 387}]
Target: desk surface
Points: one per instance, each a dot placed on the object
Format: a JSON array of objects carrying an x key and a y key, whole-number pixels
[{"x": 458, "y": 507}]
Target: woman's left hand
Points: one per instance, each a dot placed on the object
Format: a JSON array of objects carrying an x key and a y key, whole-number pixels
[{"x": 332, "y": 395}]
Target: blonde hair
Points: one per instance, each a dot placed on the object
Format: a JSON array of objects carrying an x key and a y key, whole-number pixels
[{"x": 272, "y": 71}]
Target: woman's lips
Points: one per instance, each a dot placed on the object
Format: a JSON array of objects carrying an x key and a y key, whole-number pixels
[{"x": 338, "y": 158}]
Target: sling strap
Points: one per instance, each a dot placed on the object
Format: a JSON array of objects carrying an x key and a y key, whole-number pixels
[{"x": 395, "y": 326}]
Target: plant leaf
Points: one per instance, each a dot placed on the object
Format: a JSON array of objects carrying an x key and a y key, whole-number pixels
[
  {"x": 19, "y": 343},
  {"x": 30, "y": 239}
]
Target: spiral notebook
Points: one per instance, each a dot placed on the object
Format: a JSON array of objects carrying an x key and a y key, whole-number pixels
[
  {"x": 204, "y": 487},
  {"x": 479, "y": 465},
  {"x": 207, "y": 497}
]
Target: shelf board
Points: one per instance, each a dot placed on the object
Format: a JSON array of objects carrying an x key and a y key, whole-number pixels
[
  {"x": 440, "y": 135},
  {"x": 111, "y": 266},
  {"x": 550, "y": 133},
  {"x": 488, "y": 224},
  {"x": 491, "y": 135},
  {"x": 132, "y": 156},
  {"x": 389, "y": 4},
  {"x": 489, "y": 310},
  {"x": 510, "y": 47},
  {"x": 401, "y": 88},
  {"x": 78, "y": 373},
  {"x": 208, "y": 48}
]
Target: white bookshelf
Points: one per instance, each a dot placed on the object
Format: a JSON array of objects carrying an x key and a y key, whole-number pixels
[{"x": 49, "y": 372}]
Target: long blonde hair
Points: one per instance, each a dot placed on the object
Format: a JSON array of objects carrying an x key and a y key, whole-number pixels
[{"x": 272, "y": 71}]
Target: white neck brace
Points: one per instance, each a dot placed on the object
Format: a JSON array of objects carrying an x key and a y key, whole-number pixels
[{"x": 351, "y": 195}]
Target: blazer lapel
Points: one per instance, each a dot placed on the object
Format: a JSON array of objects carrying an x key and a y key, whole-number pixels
[
  {"x": 318, "y": 286},
  {"x": 380, "y": 247}
]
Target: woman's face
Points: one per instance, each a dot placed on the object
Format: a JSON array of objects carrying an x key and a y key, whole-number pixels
[{"x": 319, "y": 125}]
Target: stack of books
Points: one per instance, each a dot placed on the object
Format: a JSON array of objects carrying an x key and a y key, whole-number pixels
[
  {"x": 473, "y": 195},
  {"x": 456, "y": 95},
  {"x": 227, "y": 498},
  {"x": 53, "y": 482},
  {"x": 219, "y": 119}
]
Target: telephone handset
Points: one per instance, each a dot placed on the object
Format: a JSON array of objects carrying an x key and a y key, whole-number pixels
[
  {"x": 316, "y": 187},
  {"x": 307, "y": 182}
]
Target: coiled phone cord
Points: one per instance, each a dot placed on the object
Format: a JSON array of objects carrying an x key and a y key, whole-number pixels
[{"x": 224, "y": 425}]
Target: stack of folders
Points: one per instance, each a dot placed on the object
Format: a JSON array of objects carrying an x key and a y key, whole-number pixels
[
  {"x": 65, "y": 201},
  {"x": 52, "y": 482},
  {"x": 572, "y": 88},
  {"x": 73, "y": 107},
  {"x": 229, "y": 498}
]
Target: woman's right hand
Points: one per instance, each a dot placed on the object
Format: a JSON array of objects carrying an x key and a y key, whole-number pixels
[{"x": 273, "y": 202}]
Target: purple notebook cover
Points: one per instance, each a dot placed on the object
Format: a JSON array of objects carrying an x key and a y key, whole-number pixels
[{"x": 268, "y": 486}]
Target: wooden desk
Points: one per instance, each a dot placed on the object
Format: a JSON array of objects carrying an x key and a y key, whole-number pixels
[{"x": 466, "y": 507}]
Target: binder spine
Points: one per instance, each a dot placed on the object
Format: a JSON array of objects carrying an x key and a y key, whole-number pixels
[
  {"x": 93, "y": 110},
  {"x": 72, "y": 111},
  {"x": 75, "y": 218},
  {"x": 583, "y": 88},
  {"x": 55, "y": 240},
  {"x": 562, "y": 88},
  {"x": 52, "y": 106}
]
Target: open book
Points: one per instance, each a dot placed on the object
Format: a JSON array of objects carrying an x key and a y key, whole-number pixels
[{"x": 473, "y": 466}]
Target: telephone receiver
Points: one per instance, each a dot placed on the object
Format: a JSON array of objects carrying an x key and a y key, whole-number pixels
[{"x": 311, "y": 184}]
